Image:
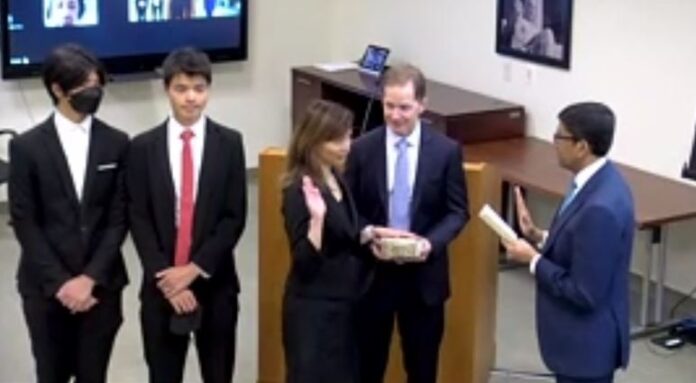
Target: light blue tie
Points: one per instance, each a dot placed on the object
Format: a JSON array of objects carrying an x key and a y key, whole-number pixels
[
  {"x": 568, "y": 197},
  {"x": 399, "y": 212}
]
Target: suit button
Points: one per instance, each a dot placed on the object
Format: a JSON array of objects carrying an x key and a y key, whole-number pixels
[{"x": 83, "y": 229}]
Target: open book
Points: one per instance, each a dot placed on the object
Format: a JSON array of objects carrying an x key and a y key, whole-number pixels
[{"x": 495, "y": 222}]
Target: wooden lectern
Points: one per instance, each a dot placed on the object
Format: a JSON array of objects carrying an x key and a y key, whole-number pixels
[{"x": 468, "y": 348}]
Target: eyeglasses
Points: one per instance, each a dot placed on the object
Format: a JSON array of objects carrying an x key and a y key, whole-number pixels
[{"x": 567, "y": 137}]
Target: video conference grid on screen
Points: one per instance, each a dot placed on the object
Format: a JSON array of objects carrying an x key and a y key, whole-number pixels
[{"x": 119, "y": 27}]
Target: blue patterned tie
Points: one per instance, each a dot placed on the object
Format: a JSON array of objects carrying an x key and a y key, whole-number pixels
[
  {"x": 399, "y": 212},
  {"x": 568, "y": 197}
]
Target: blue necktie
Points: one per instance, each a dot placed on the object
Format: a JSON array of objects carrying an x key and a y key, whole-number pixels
[
  {"x": 399, "y": 212},
  {"x": 568, "y": 197}
]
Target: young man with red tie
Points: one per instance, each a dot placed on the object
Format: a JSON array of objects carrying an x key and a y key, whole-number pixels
[{"x": 187, "y": 193}]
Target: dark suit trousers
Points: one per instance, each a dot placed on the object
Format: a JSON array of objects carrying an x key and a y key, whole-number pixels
[
  {"x": 565, "y": 379},
  {"x": 420, "y": 327},
  {"x": 69, "y": 345},
  {"x": 165, "y": 352}
]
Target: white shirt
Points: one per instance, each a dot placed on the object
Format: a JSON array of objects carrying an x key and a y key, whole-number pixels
[
  {"x": 74, "y": 138},
  {"x": 413, "y": 140},
  {"x": 176, "y": 146},
  {"x": 585, "y": 174},
  {"x": 580, "y": 181},
  {"x": 392, "y": 139}
]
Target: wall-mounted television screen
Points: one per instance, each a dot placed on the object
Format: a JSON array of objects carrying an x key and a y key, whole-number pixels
[{"x": 127, "y": 35}]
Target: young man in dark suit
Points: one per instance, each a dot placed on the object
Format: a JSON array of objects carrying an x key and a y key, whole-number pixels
[
  {"x": 407, "y": 180},
  {"x": 582, "y": 269},
  {"x": 67, "y": 208},
  {"x": 187, "y": 190}
]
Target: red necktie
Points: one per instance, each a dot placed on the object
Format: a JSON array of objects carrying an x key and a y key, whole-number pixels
[{"x": 183, "y": 235}]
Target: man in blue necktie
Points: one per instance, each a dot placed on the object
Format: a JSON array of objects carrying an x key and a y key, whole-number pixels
[
  {"x": 407, "y": 180},
  {"x": 582, "y": 269}
]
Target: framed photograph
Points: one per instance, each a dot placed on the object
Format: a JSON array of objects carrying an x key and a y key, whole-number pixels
[{"x": 535, "y": 30}]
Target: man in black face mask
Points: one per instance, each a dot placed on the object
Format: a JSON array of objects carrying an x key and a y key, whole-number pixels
[{"x": 67, "y": 209}]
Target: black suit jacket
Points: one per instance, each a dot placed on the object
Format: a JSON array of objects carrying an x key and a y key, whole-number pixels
[
  {"x": 335, "y": 272},
  {"x": 220, "y": 206},
  {"x": 439, "y": 207},
  {"x": 62, "y": 237}
]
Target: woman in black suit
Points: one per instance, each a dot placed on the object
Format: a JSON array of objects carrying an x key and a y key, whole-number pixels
[{"x": 325, "y": 277}]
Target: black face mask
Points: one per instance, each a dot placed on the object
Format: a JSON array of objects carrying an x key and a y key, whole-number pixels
[{"x": 87, "y": 100}]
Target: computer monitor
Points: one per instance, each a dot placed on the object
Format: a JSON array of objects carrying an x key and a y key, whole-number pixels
[{"x": 126, "y": 35}]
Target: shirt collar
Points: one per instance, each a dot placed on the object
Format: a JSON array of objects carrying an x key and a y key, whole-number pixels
[
  {"x": 175, "y": 128},
  {"x": 63, "y": 123},
  {"x": 585, "y": 174},
  {"x": 413, "y": 139}
]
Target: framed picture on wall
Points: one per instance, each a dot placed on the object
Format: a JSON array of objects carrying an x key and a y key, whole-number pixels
[{"x": 535, "y": 30}]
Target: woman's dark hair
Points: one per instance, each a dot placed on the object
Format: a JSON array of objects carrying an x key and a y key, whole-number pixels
[{"x": 322, "y": 122}]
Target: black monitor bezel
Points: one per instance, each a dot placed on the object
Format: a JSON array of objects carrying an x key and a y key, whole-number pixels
[{"x": 119, "y": 65}]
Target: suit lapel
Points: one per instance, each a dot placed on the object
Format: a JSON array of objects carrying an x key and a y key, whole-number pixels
[
  {"x": 339, "y": 219},
  {"x": 425, "y": 157},
  {"x": 380, "y": 172},
  {"x": 209, "y": 174},
  {"x": 162, "y": 183},
  {"x": 96, "y": 144},
  {"x": 55, "y": 150},
  {"x": 561, "y": 219},
  {"x": 352, "y": 214}
]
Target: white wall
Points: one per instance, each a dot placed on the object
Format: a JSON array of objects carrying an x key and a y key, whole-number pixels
[
  {"x": 253, "y": 96},
  {"x": 636, "y": 55}
]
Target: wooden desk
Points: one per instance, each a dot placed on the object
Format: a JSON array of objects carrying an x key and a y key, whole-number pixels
[
  {"x": 531, "y": 163},
  {"x": 461, "y": 114}
]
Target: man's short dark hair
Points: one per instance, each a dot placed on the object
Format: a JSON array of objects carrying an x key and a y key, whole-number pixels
[
  {"x": 189, "y": 61},
  {"x": 402, "y": 75},
  {"x": 590, "y": 121},
  {"x": 69, "y": 66}
]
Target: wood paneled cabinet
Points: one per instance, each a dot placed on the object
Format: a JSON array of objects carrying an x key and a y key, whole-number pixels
[{"x": 461, "y": 114}]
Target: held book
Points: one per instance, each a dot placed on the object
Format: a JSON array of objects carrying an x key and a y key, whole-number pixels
[
  {"x": 495, "y": 222},
  {"x": 403, "y": 248}
]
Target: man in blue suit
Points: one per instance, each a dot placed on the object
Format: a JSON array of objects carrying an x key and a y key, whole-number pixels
[
  {"x": 582, "y": 268},
  {"x": 407, "y": 180}
]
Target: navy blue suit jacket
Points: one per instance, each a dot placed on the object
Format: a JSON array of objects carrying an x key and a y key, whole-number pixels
[
  {"x": 439, "y": 207},
  {"x": 582, "y": 280}
]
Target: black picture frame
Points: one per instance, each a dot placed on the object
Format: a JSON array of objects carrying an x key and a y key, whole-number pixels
[{"x": 535, "y": 30}]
